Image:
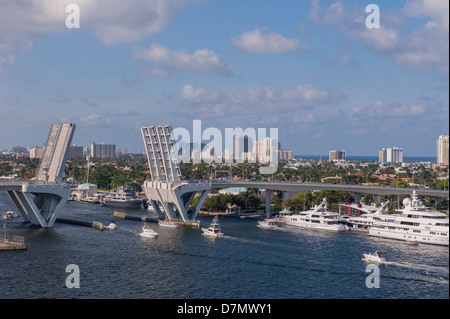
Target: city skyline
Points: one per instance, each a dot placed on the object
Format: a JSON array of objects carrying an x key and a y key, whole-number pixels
[{"x": 312, "y": 69}]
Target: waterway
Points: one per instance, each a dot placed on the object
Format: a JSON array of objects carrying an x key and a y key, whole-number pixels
[{"x": 247, "y": 263}]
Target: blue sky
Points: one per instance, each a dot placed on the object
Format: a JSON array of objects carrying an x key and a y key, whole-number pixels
[{"x": 312, "y": 69}]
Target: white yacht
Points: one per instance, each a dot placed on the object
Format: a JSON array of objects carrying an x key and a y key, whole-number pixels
[
  {"x": 362, "y": 217},
  {"x": 414, "y": 223},
  {"x": 214, "y": 229},
  {"x": 374, "y": 258},
  {"x": 148, "y": 232},
  {"x": 317, "y": 218},
  {"x": 125, "y": 197},
  {"x": 168, "y": 223},
  {"x": 268, "y": 224}
]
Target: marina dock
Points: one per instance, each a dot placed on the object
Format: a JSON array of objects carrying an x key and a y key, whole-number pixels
[
  {"x": 143, "y": 218},
  {"x": 93, "y": 224}
]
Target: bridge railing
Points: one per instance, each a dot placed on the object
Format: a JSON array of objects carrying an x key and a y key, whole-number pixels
[
  {"x": 313, "y": 184},
  {"x": 8, "y": 181}
]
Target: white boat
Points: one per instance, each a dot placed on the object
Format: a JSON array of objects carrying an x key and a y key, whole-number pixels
[
  {"x": 374, "y": 258},
  {"x": 317, "y": 218},
  {"x": 214, "y": 229},
  {"x": 9, "y": 215},
  {"x": 125, "y": 197},
  {"x": 361, "y": 216},
  {"x": 111, "y": 226},
  {"x": 168, "y": 223},
  {"x": 414, "y": 223},
  {"x": 148, "y": 232},
  {"x": 268, "y": 224}
]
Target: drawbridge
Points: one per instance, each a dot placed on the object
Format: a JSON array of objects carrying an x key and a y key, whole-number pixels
[
  {"x": 40, "y": 200},
  {"x": 169, "y": 196}
]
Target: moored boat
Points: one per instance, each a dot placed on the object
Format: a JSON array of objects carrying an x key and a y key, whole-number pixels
[
  {"x": 317, "y": 218},
  {"x": 168, "y": 223},
  {"x": 415, "y": 222}
]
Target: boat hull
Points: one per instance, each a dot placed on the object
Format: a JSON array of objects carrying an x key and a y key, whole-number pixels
[
  {"x": 336, "y": 227},
  {"x": 206, "y": 232},
  {"x": 129, "y": 204},
  {"x": 408, "y": 236}
]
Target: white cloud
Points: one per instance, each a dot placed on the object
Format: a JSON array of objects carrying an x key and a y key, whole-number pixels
[
  {"x": 113, "y": 21},
  {"x": 382, "y": 110},
  {"x": 7, "y": 60},
  {"x": 425, "y": 48},
  {"x": 198, "y": 95},
  {"x": 162, "y": 61},
  {"x": 264, "y": 100},
  {"x": 257, "y": 41}
]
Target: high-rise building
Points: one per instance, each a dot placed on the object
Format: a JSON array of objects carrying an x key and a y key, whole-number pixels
[
  {"x": 394, "y": 155},
  {"x": 391, "y": 155},
  {"x": 285, "y": 155},
  {"x": 442, "y": 150},
  {"x": 18, "y": 149},
  {"x": 103, "y": 150},
  {"x": 36, "y": 152},
  {"x": 337, "y": 155},
  {"x": 75, "y": 152},
  {"x": 265, "y": 150},
  {"x": 242, "y": 148},
  {"x": 382, "y": 155}
]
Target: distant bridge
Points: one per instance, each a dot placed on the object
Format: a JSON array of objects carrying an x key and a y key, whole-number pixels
[
  {"x": 40, "y": 201},
  {"x": 305, "y": 187}
]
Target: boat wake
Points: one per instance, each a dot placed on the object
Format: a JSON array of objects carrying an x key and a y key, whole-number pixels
[
  {"x": 436, "y": 274},
  {"x": 417, "y": 266}
]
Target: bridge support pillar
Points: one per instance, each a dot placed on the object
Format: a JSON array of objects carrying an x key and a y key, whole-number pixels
[
  {"x": 357, "y": 198},
  {"x": 286, "y": 196},
  {"x": 377, "y": 199},
  {"x": 176, "y": 198},
  {"x": 438, "y": 203},
  {"x": 40, "y": 204},
  {"x": 268, "y": 203}
]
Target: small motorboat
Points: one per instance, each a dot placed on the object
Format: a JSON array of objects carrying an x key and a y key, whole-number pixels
[
  {"x": 168, "y": 223},
  {"x": 9, "y": 215},
  {"x": 412, "y": 243},
  {"x": 148, "y": 232},
  {"x": 214, "y": 229},
  {"x": 374, "y": 258},
  {"x": 267, "y": 224},
  {"x": 111, "y": 226}
]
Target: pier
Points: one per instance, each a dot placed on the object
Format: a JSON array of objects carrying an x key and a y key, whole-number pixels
[
  {"x": 93, "y": 224},
  {"x": 13, "y": 242}
]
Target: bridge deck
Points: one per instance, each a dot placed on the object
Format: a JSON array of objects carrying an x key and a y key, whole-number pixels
[{"x": 304, "y": 187}]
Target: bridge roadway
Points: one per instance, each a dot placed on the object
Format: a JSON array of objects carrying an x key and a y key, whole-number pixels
[{"x": 305, "y": 187}]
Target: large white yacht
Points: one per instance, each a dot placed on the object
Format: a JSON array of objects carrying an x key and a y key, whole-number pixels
[
  {"x": 317, "y": 218},
  {"x": 414, "y": 223},
  {"x": 125, "y": 197},
  {"x": 362, "y": 217}
]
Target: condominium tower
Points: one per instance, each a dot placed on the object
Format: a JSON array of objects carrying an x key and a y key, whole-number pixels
[{"x": 442, "y": 150}]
